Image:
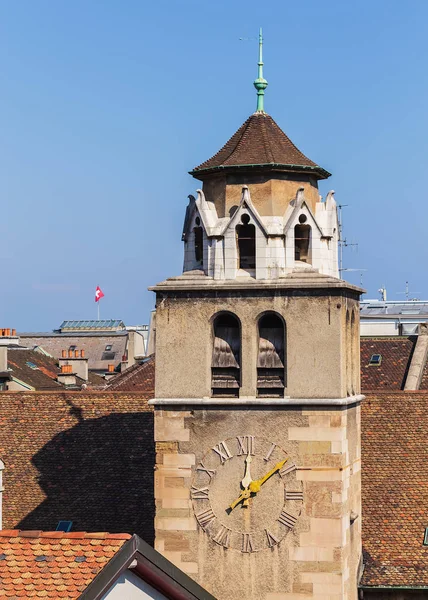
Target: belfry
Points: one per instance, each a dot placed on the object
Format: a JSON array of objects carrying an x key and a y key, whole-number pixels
[{"x": 257, "y": 407}]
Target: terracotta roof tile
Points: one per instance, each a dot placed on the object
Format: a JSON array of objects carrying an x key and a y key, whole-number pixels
[
  {"x": 91, "y": 436},
  {"x": 394, "y": 489},
  {"x": 259, "y": 141},
  {"x": 138, "y": 378},
  {"x": 36, "y": 578},
  {"x": 396, "y": 355}
]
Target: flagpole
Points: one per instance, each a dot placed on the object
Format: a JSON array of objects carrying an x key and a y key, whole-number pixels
[{"x": 98, "y": 306}]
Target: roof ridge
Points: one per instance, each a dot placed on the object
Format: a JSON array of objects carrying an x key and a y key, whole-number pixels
[{"x": 7, "y": 533}]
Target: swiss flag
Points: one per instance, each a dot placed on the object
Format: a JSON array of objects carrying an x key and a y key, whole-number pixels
[{"x": 98, "y": 294}]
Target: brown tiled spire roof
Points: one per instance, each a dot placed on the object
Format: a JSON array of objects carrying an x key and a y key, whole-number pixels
[{"x": 260, "y": 142}]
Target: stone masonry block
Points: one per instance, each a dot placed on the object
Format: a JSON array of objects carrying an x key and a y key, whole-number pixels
[
  {"x": 311, "y": 554},
  {"x": 317, "y": 434}
]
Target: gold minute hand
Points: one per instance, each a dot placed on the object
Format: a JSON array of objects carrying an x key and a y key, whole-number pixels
[{"x": 255, "y": 486}]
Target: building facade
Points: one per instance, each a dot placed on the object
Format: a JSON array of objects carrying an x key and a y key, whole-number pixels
[{"x": 257, "y": 397}]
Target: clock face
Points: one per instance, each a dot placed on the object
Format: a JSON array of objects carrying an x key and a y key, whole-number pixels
[{"x": 245, "y": 493}]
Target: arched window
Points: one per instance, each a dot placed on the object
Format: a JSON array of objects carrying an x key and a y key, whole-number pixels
[
  {"x": 246, "y": 240},
  {"x": 302, "y": 240},
  {"x": 271, "y": 356},
  {"x": 199, "y": 248},
  {"x": 226, "y": 359}
]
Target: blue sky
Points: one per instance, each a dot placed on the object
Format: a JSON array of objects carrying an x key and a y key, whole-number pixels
[{"x": 106, "y": 105}]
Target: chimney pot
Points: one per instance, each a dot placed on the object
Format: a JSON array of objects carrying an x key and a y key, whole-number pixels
[
  {"x": 111, "y": 368},
  {"x": 64, "y": 353},
  {"x": 82, "y": 354},
  {"x": 76, "y": 354},
  {"x": 70, "y": 354},
  {"x": 14, "y": 332}
]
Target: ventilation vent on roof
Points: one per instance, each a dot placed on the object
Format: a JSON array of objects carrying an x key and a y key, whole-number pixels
[
  {"x": 375, "y": 359},
  {"x": 64, "y": 526},
  {"x": 426, "y": 537},
  {"x": 32, "y": 365}
]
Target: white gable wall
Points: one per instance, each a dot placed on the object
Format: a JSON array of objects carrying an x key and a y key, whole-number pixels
[{"x": 131, "y": 587}]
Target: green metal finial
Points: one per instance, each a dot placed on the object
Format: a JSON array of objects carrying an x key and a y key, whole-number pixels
[{"x": 260, "y": 84}]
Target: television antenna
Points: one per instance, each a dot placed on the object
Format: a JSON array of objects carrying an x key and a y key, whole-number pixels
[
  {"x": 407, "y": 293},
  {"x": 343, "y": 242},
  {"x": 360, "y": 271}
]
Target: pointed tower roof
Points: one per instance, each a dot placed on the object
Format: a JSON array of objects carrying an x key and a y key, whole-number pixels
[{"x": 259, "y": 143}]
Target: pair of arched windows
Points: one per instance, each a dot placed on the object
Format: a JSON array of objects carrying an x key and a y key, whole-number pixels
[{"x": 226, "y": 358}]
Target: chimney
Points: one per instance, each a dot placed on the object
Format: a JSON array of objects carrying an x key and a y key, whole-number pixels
[
  {"x": 110, "y": 372},
  {"x": 77, "y": 362},
  {"x": 66, "y": 376},
  {"x": 3, "y": 359},
  {"x": 8, "y": 337}
]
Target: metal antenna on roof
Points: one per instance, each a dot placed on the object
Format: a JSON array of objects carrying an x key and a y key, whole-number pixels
[
  {"x": 260, "y": 83},
  {"x": 343, "y": 242},
  {"x": 407, "y": 293}
]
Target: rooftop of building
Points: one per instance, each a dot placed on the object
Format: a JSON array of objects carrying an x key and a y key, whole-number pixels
[
  {"x": 56, "y": 564},
  {"x": 394, "y": 489},
  {"x": 260, "y": 142},
  {"x": 393, "y": 308},
  {"x": 138, "y": 378}
]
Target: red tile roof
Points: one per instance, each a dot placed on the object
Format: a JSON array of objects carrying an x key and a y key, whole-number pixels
[
  {"x": 395, "y": 488},
  {"x": 35, "y": 564},
  {"x": 396, "y": 355},
  {"x": 78, "y": 456},
  {"x": 41, "y": 376},
  {"x": 138, "y": 378},
  {"x": 259, "y": 141}
]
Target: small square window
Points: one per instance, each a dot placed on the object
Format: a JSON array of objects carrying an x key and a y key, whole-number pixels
[
  {"x": 64, "y": 526},
  {"x": 375, "y": 359},
  {"x": 108, "y": 347}
]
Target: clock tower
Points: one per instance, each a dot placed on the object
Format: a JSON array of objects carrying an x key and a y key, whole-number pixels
[{"x": 257, "y": 407}]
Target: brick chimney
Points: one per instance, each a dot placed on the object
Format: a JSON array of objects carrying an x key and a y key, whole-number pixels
[
  {"x": 77, "y": 361},
  {"x": 66, "y": 377}
]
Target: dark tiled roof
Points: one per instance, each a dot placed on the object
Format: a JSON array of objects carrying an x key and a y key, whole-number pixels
[
  {"x": 396, "y": 355},
  {"x": 93, "y": 344},
  {"x": 395, "y": 488},
  {"x": 42, "y": 377},
  {"x": 259, "y": 141},
  {"x": 53, "y": 564},
  {"x": 78, "y": 456},
  {"x": 138, "y": 378}
]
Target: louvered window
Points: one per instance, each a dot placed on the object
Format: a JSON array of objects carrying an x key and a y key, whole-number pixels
[
  {"x": 226, "y": 359},
  {"x": 302, "y": 239},
  {"x": 271, "y": 357}
]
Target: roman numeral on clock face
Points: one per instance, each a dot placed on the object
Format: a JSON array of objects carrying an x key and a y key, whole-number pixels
[
  {"x": 271, "y": 539},
  {"x": 209, "y": 472},
  {"x": 205, "y": 517},
  {"x": 288, "y": 468},
  {"x": 199, "y": 493},
  {"x": 246, "y": 444},
  {"x": 222, "y": 536},
  {"x": 247, "y": 543},
  {"x": 289, "y": 495},
  {"x": 268, "y": 455},
  {"x": 223, "y": 451},
  {"x": 286, "y": 519}
]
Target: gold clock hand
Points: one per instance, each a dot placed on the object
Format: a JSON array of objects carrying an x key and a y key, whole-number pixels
[
  {"x": 247, "y": 475},
  {"x": 255, "y": 486},
  {"x": 245, "y": 494}
]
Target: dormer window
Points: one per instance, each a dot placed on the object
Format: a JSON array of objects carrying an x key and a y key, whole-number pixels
[
  {"x": 246, "y": 240},
  {"x": 302, "y": 240}
]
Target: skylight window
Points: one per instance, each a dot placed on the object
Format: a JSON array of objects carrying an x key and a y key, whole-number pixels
[
  {"x": 108, "y": 347},
  {"x": 426, "y": 537},
  {"x": 375, "y": 359},
  {"x": 32, "y": 365},
  {"x": 64, "y": 526}
]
